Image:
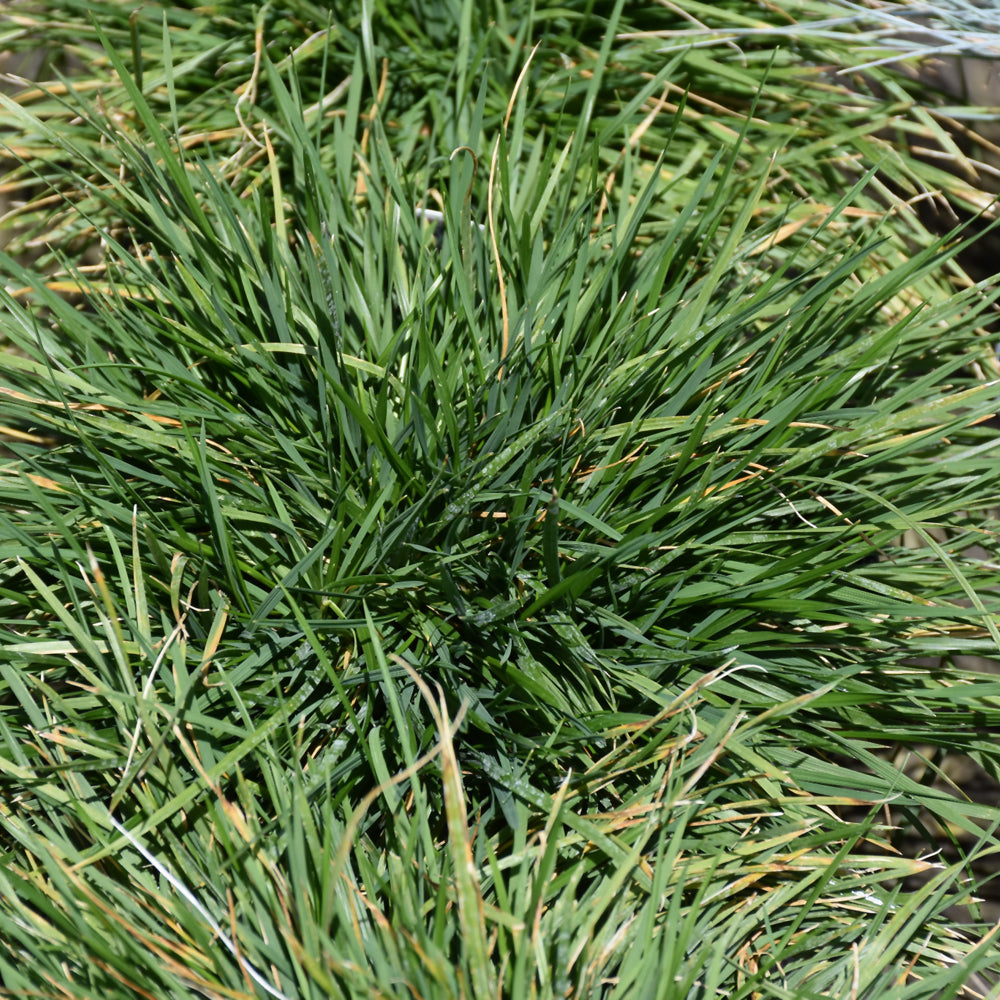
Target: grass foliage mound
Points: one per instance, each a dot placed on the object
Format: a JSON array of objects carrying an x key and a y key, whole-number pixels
[{"x": 457, "y": 529}]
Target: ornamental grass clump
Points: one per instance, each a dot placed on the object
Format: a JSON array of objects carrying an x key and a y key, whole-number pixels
[{"x": 452, "y": 538}]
